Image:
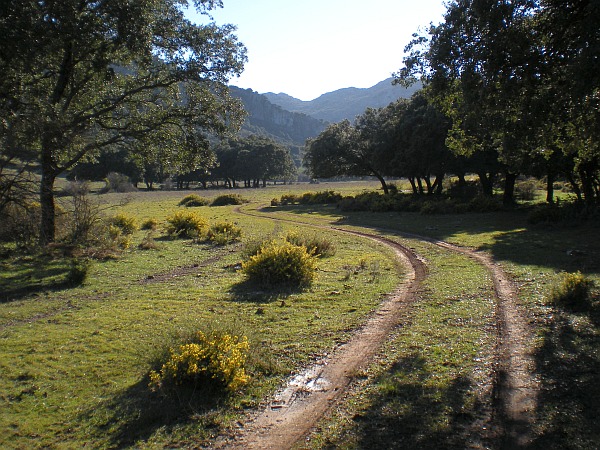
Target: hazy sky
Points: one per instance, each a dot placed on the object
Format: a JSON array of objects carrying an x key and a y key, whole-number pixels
[{"x": 309, "y": 47}]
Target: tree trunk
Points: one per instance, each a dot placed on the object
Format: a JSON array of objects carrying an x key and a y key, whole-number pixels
[
  {"x": 509, "y": 189},
  {"x": 428, "y": 184},
  {"x": 486, "y": 184},
  {"x": 587, "y": 185},
  {"x": 420, "y": 184},
  {"x": 574, "y": 186},
  {"x": 384, "y": 185},
  {"x": 438, "y": 185},
  {"x": 413, "y": 185},
  {"x": 47, "y": 225},
  {"x": 550, "y": 188}
]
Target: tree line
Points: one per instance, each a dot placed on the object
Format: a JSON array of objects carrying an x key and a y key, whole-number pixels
[{"x": 510, "y": 88}]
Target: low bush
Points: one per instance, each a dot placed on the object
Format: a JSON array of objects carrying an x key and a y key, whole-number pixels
[
  {"x": 211, "y": 361},
  {"x": 320, "y": 198},
  {"x": 78, "y": 272},
  {"x": 526, "y": 189},
  {"x": 281, "y": 263},
  {"x": 315, "y": 245},
  {"x": 224, "y": 233},
  {"x": 289, "y": 199},
  {"x": 192, "y": 200},
  {"x": 117, "y": 182},
  {"x": 20, "y": 223},
  {"x": 149, "y": 224},
  {"x": 484, "y": 204},
  {"x": 573, "y": 291},
  {"x": 127, "y": 224},
  {"x": 186, "y": 224},
  {"x": 228, "y": 199},
  {"x": 148, "y": 243}
]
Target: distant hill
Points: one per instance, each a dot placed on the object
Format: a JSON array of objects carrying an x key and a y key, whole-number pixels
[
  {"x": 266, "y": 119},
  {"x": 344, "y": 103}
]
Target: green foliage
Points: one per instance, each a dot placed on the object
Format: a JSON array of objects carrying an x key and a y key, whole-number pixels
[
  {"x": 309, "y": 198},
  {"x": 213, "y": 361},
  {"x": 228, "y": 199},
  {"x": 117, "y": 182},
  {"x": 194, "y": 200},
  {"x": 127, "y": 224},
  {"x": 78, "y": 272},
  {"x": 573, "y": 291},
  {"x": 148, "y": 243},
  {"x": 20, "y": 223},
  {"x": 281, "y": 263},
  {"x": 526, "y": 189},
  {"x": 320, "y": 198},
  {"x": 315, "y": 245},
  {"x": 186, "y": 224},
  {"x": 224, "y": 233},
  {"x": 149, "y": 224},
  {"x": 566, "y": 212}
]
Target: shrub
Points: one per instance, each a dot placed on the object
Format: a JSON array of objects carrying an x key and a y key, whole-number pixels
[
  {"x": 149, "y": 224},
  {"x": 224, "y": 233},
  {"x": 78, "y": 272},
  {"x": 211, "y": 360},
  {"x": 526, "y": 189},
  {"x": 127, "y": 224},
  {"x": 228, "y": 199},
  {"x": 20, "y": 223},
  {"x": 117, "y": 182},
  {"x": 281, "y": 263},
  {"x": 289, "y": 199},
  {"x": 319, "y": 198},
  {"x": 484, "y": 204},
  {"x": 118, "y": 237},
  {"x": 545, "y": 214},
  {"x": 148, "y": 243},
  {"x": 572, "y": 291},
  {"x": 315, "y": 245},
  {"x": 193, "y": 200},
  {"x": 253, "y": 247},
  {"x": 186, "y": 224}
]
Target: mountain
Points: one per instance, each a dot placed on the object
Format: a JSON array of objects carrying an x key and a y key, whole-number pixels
[
  {"x": 344, "y": 103},
  {"x": 267, "y": 119}
]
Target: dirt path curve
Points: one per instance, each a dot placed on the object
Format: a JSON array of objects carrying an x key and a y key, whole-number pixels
[{"x": 296, "y": 409}]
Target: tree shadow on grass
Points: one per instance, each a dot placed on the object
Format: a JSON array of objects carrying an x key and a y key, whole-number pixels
[
  {"x": 569, "y": 248},
  {"x": 30, "y": 276},
  {"x": 569, "y": 397},
  {"x": 252, "y": 292},
  {"x": 407, "y": 411},
  {"x": 137, "y": 414}
]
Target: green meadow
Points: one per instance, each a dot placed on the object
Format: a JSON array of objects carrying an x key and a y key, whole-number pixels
[{"x": 75, "y": 359}]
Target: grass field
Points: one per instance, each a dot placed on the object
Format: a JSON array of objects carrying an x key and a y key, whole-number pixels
[{"x": 74, "y": 361}]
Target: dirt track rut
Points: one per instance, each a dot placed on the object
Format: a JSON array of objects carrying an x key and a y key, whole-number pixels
[{"x": 296, "y": 409}]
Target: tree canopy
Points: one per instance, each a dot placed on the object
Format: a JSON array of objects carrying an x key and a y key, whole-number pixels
[
  {"x": 79, "y": 76},
  {"x": 519, "y": 80}
]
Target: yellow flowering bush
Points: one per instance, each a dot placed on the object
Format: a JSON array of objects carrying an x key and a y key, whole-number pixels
[
  {"x": 573, "y": 291},
  {"x": 127, "y": 224},
  {"x": 281, "y": 263},
  {"x": 212, "y": 358},
  {"x": 224, "y": 233},
  {"x": 186, "y": 224}
]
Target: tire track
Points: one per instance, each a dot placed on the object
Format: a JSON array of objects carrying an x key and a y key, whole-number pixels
[
  {"x": 296, "y": 409},
  {"x": 308, "y": 397}
]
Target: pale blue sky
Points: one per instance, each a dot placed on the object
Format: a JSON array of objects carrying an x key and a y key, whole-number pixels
[{"x": 309, "y": 47}]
